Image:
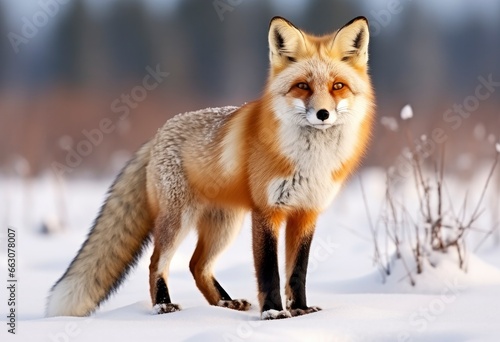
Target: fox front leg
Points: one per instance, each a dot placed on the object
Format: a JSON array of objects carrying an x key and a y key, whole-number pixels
[
  {"x": 299, "y": 233},
  {"x": 265, "y": 230}
]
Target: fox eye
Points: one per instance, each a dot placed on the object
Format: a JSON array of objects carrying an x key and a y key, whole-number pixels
[
  {"x": 303, "y": 86},
  {"x": 338, "y": 86}
]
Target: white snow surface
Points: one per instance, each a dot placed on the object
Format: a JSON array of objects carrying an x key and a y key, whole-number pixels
[{"x": 446, "y": 304}]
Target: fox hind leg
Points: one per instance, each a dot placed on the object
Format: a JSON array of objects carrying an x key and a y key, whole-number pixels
[
  {"x": 216, "y": 230},
  {"x": 160, "y": 295},
  {"x": 169, "y": 232}
]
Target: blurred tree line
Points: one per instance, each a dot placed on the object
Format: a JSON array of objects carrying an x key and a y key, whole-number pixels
[{"x": 65, "y": 78}]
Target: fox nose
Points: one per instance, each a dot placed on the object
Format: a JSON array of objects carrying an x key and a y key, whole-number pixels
[{"x": 322, "y": 114}]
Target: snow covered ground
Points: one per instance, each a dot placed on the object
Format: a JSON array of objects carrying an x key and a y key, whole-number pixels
[{"x": 445, "y": 305}]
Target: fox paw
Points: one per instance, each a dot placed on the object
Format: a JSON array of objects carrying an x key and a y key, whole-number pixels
[
  {"x": 300, "y": 312},
  {"x": 235, "y": 304},
  {"x": 159, "y": 309},
  {"x": 275, "y": 314}
]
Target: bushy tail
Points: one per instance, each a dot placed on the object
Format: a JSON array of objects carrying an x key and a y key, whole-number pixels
[{"x": 113, "y": 246}]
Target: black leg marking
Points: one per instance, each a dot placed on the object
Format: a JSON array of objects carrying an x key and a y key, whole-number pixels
[
  {"x": 268, "y": 275},
  {"x": 162, "y": 295},
  {"x": 265, "y": 251},
  {"x": 222, "y": 292},
  {"x": 227, "y": 302},
  {"x": 297, "y": 281},
  {"x": 163, "y": 304}
]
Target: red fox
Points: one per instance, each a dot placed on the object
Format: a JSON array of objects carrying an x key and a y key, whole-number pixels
[{"x": 282, "y": 158}]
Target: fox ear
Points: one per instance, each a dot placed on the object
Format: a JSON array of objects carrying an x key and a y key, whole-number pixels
[
  {"x": 286, "y": 42},
  {"x": 351, "y": 42}
]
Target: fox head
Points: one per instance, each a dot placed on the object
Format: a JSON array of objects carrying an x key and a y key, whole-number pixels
[{"x": 319, "y": 82}]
